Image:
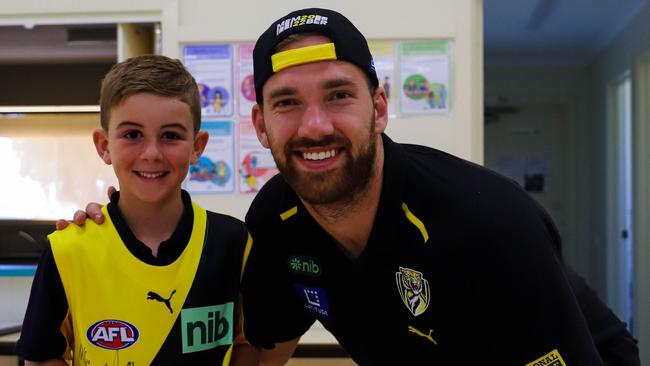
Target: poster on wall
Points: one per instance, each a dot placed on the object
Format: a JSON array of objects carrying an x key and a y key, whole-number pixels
[
  {"x": 214, "y": 172},
  {"x": 256, "y": 165},
  {"x": 424, "y": 68},
  {"x": 212, "y": 67},
  {"x": 383, "y": 54},
  {"x": 246, "y": 84}
]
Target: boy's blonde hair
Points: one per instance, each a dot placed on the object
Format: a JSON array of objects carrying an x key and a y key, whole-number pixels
[{"x": 154, "y": 74}]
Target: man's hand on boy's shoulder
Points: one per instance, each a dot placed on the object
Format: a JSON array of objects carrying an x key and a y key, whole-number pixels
[
  {"x": 79, "y": 218},
  {"x": 93, "y": 211}
]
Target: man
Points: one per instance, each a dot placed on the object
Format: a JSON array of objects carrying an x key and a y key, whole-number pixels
[
  {"x": 403, "y": 252},
  {"x": 406, "y": 254}
]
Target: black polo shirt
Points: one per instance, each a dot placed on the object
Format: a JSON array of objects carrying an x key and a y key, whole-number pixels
[{"x": 459, "y": 269}]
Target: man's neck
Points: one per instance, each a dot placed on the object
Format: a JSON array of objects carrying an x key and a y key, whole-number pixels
[
  {"x": 152, "y": 223},
  {"x": 351, "y": 222}
]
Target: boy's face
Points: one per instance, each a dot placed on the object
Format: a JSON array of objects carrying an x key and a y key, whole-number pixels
[{"x": 150, "y": 142}]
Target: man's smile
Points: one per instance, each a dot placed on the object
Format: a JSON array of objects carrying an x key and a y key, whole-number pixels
[{"x": 319, "y": 155}]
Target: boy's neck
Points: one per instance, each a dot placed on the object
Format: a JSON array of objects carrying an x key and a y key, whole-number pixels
[{"x": 151, "y": 223}]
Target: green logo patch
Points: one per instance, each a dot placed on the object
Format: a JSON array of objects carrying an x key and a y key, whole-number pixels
[
  {"x": 206, "y": 327},
  {"x": 304, "y": 265}
]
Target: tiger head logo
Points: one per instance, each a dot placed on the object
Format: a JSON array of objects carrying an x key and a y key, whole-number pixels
[{"x": 413, "y": 289}]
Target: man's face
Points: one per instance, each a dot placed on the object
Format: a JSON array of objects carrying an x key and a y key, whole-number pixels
[{"x": 322, "y": 126}]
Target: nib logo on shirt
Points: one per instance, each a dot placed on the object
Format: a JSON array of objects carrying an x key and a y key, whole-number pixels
[
  {"x": 304, "y": 265},
  {"x": 207, "y": 327}
]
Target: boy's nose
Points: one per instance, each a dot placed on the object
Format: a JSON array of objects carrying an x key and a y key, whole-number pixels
[{"x": 151, "y": 151}]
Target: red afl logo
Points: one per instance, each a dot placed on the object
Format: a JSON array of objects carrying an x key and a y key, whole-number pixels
[{"x": 112, "y": 334}]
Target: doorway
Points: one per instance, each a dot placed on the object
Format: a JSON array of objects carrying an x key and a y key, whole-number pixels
[{"x": 529, "y": 143}]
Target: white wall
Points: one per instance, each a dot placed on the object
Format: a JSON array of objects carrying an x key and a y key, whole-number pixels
[
  {"x": 203, "y": 21},
  {"x": 460, "y": 132}
]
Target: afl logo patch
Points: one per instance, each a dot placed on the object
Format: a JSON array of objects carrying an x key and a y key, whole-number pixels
[{"x": 112, "y": 334}]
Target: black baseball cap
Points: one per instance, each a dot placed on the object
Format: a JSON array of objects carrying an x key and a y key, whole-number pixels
[{"x": 348, "y": 44}]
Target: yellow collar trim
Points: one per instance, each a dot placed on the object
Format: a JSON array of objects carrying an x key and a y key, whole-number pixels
[{"x": 303, "y": 55}]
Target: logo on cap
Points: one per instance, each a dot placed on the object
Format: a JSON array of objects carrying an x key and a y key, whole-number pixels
[{"x": 300, "y": 20}]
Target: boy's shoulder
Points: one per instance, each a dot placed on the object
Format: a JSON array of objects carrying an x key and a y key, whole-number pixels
[{"x": 73, "y": 231}]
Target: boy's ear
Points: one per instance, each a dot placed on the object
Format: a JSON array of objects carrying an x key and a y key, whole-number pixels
[
  {"x": 100, "y": 138},
  {"x": 258, "y": 121},
  {"x": 200, "y": 142}
]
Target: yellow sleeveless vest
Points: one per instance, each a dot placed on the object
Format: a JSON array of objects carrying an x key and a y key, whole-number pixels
[{"x": 122, "y": 309}]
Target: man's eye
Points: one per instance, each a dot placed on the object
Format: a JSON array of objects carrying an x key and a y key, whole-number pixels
[
  {"x": 285, "y": 103},
  {"x": 133, "y": 135}
]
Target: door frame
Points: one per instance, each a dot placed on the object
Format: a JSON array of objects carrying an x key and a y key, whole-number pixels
[
  {"x": 619, "y": 274},
  {"x": 641, "y": 182}
]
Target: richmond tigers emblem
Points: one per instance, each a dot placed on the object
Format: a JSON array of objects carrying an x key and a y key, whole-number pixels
[{"x": 413, "y": 289}]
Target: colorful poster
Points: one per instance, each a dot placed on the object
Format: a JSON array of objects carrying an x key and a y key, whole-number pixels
[
  {"x": 212, "y": 67},
  {"x": 383, "y": 53},
  {"x": 214, "y": 171},
  {"x": 256, "y": 165},
  {"x": 424, "y": 68},
  {"x": 245, "y": 80}
]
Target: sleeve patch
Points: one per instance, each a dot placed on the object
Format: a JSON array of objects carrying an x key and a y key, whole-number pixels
[{"x": 553, "y": 358}]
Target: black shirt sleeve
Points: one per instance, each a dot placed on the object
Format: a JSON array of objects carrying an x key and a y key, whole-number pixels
[
  {"x": 521, "y": 282},
  {"x": 272, "y": 310},
  {"x": 41, "y": 338},
  {"x": 615, "y": 344}
]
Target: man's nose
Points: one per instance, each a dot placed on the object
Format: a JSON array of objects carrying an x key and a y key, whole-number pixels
[{"x": 316, "y": 123}]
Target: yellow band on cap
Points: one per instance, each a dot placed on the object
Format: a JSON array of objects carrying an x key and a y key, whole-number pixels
[{"x": 299, "y": 56}]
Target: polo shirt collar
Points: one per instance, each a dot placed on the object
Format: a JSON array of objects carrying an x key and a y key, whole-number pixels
[{"x": 169, "y": 249}]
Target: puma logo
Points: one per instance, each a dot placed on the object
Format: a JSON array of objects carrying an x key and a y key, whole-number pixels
[
  {"x": 154, "y": 296},
  {"x": 427, "y": 336}
]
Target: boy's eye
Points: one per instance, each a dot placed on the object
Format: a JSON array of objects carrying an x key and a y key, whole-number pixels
[
  {"x": 169, "y": 135},
  {"x": 341, "y": 95},
  {"x": 133, "y": 134}
]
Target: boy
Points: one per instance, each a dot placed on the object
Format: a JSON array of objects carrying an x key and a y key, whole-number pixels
[{"x": 160, "y": 283}]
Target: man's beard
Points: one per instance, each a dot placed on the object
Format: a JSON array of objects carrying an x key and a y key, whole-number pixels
[{"x": 337, "y": 186}]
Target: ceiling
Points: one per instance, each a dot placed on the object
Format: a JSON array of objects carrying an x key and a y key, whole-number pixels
[
  {"x": 552, "y": 32},
  {"x": 517, "y": 33}
]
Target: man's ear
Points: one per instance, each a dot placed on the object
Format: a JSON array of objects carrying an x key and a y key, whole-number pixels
[
  {"x": 100, "y": 138},
  {"x": 260, "y": 128},
  {"x": 200, "y": 142},
  {"x": 380, "y": 102}
]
